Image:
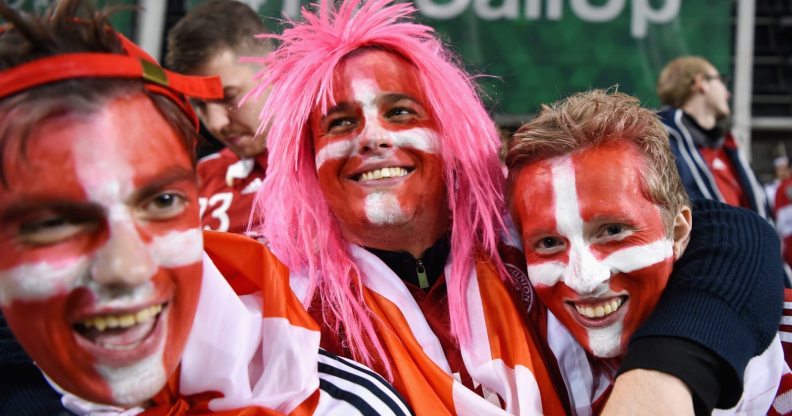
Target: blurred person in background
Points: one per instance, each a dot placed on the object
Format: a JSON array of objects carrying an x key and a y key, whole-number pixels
[
  {"x": 781, "y": 172},
  {"x": 210, "y": 40},
  {"x": 696, "y": 100}
]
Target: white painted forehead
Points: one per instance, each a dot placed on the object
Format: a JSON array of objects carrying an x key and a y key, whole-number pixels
[{"x": 365, "y": 90}]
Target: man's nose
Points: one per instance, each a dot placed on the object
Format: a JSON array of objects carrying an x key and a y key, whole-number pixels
[
  {"x": 216, "y": 117},
  {"x": 374, "y": 139},
  {"x": 585, "y": 274},
  {"x": 124, "y": 260}
]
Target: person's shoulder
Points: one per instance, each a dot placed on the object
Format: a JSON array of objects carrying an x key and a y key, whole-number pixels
[
  {"x": 667, "y": 115},
  {"x": 216, "y": 162},
  {"x": 358, "y": 386},
  {"x": 732, "y": 225}
]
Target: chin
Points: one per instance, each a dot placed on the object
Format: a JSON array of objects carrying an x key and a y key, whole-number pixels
[
  {"x": 137, "y": 384},
  {"x": 605, "y": 342}
]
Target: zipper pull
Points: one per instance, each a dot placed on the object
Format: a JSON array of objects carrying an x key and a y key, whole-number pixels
[{"x": 423, "y": 280}]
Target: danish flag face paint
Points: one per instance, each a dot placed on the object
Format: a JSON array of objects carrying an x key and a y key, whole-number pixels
[
  {"x": 101, "y": 247},
  {"x": 596, "y": 248},
  {"x": 377, "y": 150}
]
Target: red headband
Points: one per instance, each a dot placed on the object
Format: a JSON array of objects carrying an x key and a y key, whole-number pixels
[{"x": 136, "y": 64}]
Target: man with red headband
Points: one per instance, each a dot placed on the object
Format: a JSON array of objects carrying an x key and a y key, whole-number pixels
[
  {"x": 106, "y": 278},
  {"x": 601, "y": 238},
  {"x": 385, "y": 202}
]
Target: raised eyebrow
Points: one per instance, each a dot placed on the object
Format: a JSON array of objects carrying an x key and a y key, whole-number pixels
[{"x": 170, "y": 176}]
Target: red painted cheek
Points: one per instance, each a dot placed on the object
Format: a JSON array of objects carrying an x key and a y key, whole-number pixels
[
  {"x": 644, "y": 286},
  {"x": 187, "y": 282},
  {"x": 552, "y": 298},
  {"x": 424, "y": 195},
  {"x": 43, "y": 329},
  {"x": 343, "y": 197}
]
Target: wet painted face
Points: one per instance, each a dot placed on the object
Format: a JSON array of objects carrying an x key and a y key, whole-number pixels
[
  {"x": 229, "y": 120},
  {"x": 101, "y": 250},
  {"x": 596, "y": 247},
  {"x": 377, "y": 153}
]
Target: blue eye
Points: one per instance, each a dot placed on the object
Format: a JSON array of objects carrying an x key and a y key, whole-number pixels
[
  {"x": 549, "y": 245},
  {"x": 614, "y": 232}
]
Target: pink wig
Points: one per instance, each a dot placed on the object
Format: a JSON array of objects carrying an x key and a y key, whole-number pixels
[{"x": 297, "y": 220}]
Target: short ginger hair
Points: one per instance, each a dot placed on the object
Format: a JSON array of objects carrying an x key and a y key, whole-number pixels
[{"x": 594, "y": 118}]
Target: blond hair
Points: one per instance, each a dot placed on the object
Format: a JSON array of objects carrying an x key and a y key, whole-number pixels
[
  {"x": 595, "y": 118},
  {"x": 675, "y": 80}
]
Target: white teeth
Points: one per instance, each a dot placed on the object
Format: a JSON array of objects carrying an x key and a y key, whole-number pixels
[
  {"x": 599, "y": 310},
  {"x": 382, "y": 173},
  {"x": 122, "y": 321}
]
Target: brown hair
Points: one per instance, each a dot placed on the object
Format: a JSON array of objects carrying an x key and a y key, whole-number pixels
[
  {"x": 594, "y": 118},
  {"x": 60, "y": 30},
  {"x": 675, "y": 80},
  {"x": 211, "y": 27}
]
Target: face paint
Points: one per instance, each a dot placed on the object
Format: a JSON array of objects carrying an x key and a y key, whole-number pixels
[
  {"x": 377, "y": 153},
  {"x": 101, "y": 242},
  {"x": 596, "y": 247}
]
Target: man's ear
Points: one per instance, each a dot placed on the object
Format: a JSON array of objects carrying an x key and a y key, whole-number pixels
[
  {"x": 699, "y": 84},
  {"x": 683, "y": 223}
]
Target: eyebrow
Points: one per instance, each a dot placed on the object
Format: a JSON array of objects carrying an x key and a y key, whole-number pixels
[
  {"x": 338, "y": 108},
  {"x": 392, "y": 98},
  {"x": 171, "y": 175}
]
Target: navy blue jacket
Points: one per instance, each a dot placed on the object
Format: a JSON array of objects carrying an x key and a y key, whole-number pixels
[{"x": 695, "y": 174}]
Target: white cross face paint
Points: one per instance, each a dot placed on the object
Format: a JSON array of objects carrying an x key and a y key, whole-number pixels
[
  {"x": 102, "y": 265},
  {"x": 383, "y": 208},
  {"x": 377, "y": 149},
  {"x": 596, "y": 247}
]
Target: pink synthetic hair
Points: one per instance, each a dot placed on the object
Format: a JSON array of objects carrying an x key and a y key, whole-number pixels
[{"x": 297, "y": 220}]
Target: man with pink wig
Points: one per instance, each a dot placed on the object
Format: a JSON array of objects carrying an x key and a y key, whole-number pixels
[{"x": 385, "y": 201}]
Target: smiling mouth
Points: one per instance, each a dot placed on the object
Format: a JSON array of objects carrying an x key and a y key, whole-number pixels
[
  {"x": 122, "y": 331},
  {"x": 382, "y": 173},
  {"x": 599, "y": 310}
]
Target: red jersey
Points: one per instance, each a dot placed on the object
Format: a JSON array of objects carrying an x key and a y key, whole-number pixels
[
  {"x": 228, "y": 187},
  {"x": 725, "y": 175}
]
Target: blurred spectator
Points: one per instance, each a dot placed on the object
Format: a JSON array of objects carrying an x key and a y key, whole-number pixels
[
  {"x": 783, "y": 211},
  {"x": 210, "y": 40},
  {"x": 707, "y": 156},
  {"x": 782, "y": 172}
]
